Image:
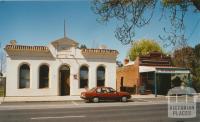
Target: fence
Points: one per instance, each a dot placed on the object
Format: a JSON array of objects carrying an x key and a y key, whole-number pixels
[
  {"x": 131, "y": 90},
  {"x": 2, "y": 86}
]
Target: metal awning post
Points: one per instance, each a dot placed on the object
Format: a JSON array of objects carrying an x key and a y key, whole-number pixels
[{"x": 155, "y": 84}]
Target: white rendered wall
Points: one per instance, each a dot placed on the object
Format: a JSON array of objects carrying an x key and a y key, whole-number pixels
[{"x": 75, "y": 61}]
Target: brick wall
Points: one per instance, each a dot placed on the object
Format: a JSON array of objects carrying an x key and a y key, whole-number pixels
[{"x": 130, "y": 75}]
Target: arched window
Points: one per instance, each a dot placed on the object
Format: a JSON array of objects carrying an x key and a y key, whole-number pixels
[
  {"x": 24, "y": 76},
  {"x": 83, "y": 77},
  {"x": 100, "y": 76},
  {"x": 44, "y": 76}
]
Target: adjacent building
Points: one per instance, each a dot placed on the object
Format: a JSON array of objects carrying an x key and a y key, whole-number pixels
[
  {"x": 58, "y": 69},
  {"x": 151, "y": 73}
]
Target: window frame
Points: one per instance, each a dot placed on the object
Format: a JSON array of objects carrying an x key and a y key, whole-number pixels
[
  {"x": 104, "y": 82},
  {"x": 39, "y": 79},
  {"x": 20, "y": 78},
  {"x": 86, "y": 86}
]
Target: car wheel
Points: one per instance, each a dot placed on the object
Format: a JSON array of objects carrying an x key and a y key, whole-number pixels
[
  {"x": 95, "y": 99},
  {"x": 124, "y": 99}
]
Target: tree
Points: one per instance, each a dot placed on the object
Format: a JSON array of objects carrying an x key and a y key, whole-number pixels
[
  {"x": 134, "y": 14},
  {"x": 196, "y": 69},
  {"x": 184, "y": 57},
  {"x": 119, "y": 63},
  {"x": 189, "y": 57},
  {"x": 2, "y": 60},
  {"x": 176, "y": 82},
  {"x": 197, "y": 53},
  {"x": 143, "y": 47},
  {"x": 196, "y": 78},
  {"x": 83, "y": 46},
  {"x": 196, "y": 3}
]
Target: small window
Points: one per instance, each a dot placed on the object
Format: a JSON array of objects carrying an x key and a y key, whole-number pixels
[
  {"x": 83, "y": 77},
  {"x": 44, "y": 76},
  {"x": 24, "y": 76}
]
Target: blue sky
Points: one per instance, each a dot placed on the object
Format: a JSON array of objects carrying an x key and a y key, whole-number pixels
[{"x": 39, "y": 23}]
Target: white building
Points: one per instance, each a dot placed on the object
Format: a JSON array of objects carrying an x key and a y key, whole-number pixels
[{"x": 59, "y": 69}]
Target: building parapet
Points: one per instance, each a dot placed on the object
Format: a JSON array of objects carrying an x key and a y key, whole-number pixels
[
  {"x": 26, "y": 48},
  {"x": 99, "y": 51}
]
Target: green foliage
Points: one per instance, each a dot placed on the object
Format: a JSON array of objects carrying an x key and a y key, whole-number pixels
[
  {"x": 197, "y": 74},
  {"x": 197, "y": 51},
  {"x": 190, "y": 58},
  {"x": 184, "y": 57},
  {"x": 173, "y": 2},
  {"x": 83, "y": 46},
  {"x": 176, "y": 82},
  {"x": 119, "y": 63},
  {"x": 196, "y": 69},
  {"x": 143, "y": 47},
  {"x": 196, "y": 78}
]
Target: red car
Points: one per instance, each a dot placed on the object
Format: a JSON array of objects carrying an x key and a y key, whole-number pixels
[{"x": 104, "y": 93}]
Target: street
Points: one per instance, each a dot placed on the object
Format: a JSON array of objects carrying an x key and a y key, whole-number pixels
[{"x": 88, "y": 112}]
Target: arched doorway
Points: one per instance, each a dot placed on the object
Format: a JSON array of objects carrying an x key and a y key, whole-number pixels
[{"x": 64, "y": 77}]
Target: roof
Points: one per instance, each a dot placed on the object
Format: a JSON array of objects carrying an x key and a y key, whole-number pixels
[
  {"x": 155, "y": 59},
  {"x": 163, "y": 69},
  {"x": 64, "y": 40},
  {"x": 99, "y": 51},
  {"x": 26, "y": 48}
]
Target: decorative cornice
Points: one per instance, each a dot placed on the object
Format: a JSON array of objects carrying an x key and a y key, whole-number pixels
[
  {"x": 26, "y": 48},
  {"x": 99, "y": 51}
]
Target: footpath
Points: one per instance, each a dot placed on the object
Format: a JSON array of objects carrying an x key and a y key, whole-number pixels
[
  {"x": 138, "y": 98},
  {"x": 66, "y": 98}
]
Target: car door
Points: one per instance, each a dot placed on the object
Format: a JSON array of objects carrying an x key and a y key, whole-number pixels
[
  {"x": 104, "y": 93},
  {"x": 101, "y": 93},
  {"x": 112, "y": 94}
]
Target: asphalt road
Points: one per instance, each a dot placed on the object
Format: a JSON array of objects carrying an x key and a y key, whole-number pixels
[{"x": 90, "y": 112}]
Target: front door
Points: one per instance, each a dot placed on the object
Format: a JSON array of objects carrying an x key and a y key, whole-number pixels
[{"x": 64, "y": 74}]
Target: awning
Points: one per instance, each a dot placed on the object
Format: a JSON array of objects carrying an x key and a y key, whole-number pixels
[
  {"x": 146, "y": 69},
  {"x": 173, "y": 70},
  {"x": 164, "y": 70}
]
